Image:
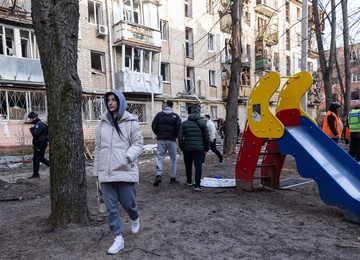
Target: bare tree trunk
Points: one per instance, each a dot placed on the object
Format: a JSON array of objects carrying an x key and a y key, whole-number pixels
[
  {"x": 326, "y": 68},
  {"x": 232, "y": 98},
  {"x": 347, "y": 96},
  {"x": 56, "y": 30}
]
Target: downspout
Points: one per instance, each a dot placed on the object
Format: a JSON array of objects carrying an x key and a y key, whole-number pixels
[{"x": 110, "y": 47}]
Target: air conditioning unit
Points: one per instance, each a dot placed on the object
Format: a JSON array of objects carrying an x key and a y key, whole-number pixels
[{"x": 102, "y": 30}]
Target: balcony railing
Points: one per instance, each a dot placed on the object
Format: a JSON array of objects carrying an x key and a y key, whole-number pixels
[
  {"x": 262, "y": 64},
  {"x": 269, "y": 35},
  {"x": 20, "y": 69},
  {"x": 133, "y": 82},
  {"x": 137, "y": 34},
  {"x": 267, "y": 7}
]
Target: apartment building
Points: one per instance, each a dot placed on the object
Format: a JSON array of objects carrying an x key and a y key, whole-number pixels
[
  {"x": 151, "y": 50},
  {"x": 340, "y": 78}
]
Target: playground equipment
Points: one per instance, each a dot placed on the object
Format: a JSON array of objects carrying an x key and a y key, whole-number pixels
[{"x": 292, "y": 131}]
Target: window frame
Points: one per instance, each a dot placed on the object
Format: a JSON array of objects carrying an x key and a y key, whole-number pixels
[
  {"x": 212, "y": 78},
  {"x": 95, "y": 12},
  {"x": 211, "y": 42},
  {"x": 164, "y": 30},
  {"x": 189, "y": 41},
  {"x": 165, "y": 71},
  {"x": 101, "y": 67}
]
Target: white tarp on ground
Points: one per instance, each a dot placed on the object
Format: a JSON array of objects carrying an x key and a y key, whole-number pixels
[{"x": 230, "y": 183}]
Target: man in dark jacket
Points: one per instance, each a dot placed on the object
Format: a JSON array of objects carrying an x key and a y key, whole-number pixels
[
  {"x": 194, "y": 141},
  {"x": 166, "y": 126},
  {"x": 40, "y": 141}
]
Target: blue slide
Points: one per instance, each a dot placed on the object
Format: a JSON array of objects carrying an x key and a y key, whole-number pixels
[{"x": 318, "y": 157}]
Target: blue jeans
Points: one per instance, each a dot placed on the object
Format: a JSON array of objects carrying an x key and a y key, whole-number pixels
[
  {"x": 164, "y": 146},
  {"x": 195, "y": 157}
]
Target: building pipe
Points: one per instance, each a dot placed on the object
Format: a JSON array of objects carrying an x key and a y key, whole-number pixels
[{"x": 110, "y": 47}]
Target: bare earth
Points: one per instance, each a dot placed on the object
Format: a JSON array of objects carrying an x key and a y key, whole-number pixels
[{"x": 178, "y": 223}]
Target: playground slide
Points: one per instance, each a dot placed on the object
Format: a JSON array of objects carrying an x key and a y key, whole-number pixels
[{"x": 320, "y": 158}]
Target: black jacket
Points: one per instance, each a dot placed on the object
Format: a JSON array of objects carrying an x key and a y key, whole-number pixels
[
  {"x": 39, "y": 132},
  {"x": 166, "y": 125}
]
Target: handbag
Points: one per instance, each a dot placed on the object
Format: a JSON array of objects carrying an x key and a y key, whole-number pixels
[{"x": 100, "y": 199}]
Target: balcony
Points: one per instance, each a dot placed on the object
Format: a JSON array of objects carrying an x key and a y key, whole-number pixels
[
  {"x": 139, "y": 83},
  {"x": 266, "y": 7},
  {"x": 225, "y": 23},
  {"x": 270, "y": 36},
  {"x": 313, "y": 52},
  {"x": 137, "y": 35},
  {"x": 262, "y": 64},
  {"x": 20, "y": 70}
]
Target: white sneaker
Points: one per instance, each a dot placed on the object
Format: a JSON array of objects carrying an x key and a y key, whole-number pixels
[
  {"x": 117, "y": 245},
  {"x": 135, "y": 226}
]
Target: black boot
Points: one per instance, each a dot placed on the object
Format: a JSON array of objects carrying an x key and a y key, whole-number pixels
[
  {"x": 174, "y": 181},
  {"x": 157, "y": 180}
]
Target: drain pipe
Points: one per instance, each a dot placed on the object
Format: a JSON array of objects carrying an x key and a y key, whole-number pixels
[{"x": 110, "y": 46}]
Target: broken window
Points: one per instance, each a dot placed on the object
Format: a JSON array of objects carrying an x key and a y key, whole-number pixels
[
  {"x": 138, "y": 60},
  {"x": 15, "y": 105},
  {"x": 92, "y": 107},
  {"x": 97, "y": 61},
  {"x": 165, "y": 71},
  {"x": 164, "y": 29},
  {"x": 19, "y": 43},
  {"x": 190, "y": 81},
  {"x": 95, "y": 12},
  {"x": 189, "y": 42},
  {"x": 138, "y": 110}
]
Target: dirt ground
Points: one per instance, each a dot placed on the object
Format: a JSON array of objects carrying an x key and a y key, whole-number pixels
[{"x": 178, "y": 223}]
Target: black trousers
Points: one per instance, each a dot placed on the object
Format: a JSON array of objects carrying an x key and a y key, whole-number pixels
[
  {"x": 39, "y": 153},
  {"x": 195, "y": 157},
  {"x": 354, "y": 148},
  {"x": 214, "y": 150}
]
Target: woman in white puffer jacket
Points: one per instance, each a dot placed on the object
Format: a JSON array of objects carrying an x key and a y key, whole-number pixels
[{"x": 118, "y": 144}]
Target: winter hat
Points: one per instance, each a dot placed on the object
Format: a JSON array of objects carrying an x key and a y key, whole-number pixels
[
  {"x": 32, "y": 115},
  {"x": 357, "y": 103},
  {"x": 334, "y": 107}
]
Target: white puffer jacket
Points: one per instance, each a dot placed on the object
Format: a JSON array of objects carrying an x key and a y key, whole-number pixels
[{"x": 116, "y": 156}]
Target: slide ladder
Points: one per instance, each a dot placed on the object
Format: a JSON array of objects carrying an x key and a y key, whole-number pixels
[{"x": 258, "y": 149}]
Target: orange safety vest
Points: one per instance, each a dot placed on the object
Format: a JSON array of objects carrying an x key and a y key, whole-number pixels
[
  {"x": 326, "y": 129},
  {"x": 347, "y": 133}
]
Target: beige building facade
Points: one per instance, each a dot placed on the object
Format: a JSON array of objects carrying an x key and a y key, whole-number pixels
[{"x": 152, "y": 51}]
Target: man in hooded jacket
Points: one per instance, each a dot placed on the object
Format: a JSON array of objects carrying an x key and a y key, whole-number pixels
[
  {"x": 166, "y": 126},
  {"x": 194, "y": 141}
]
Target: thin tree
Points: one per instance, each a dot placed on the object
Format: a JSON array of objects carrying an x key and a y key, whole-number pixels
[
  {"x": 56, "y": 29},
  {"x": 347, "y": 91},
  {"x": 326, "y": 67},
  {"x": 232, "y": 98}
]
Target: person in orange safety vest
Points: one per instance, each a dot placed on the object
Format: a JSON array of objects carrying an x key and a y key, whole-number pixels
[{"x": 331, "y": 125}]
